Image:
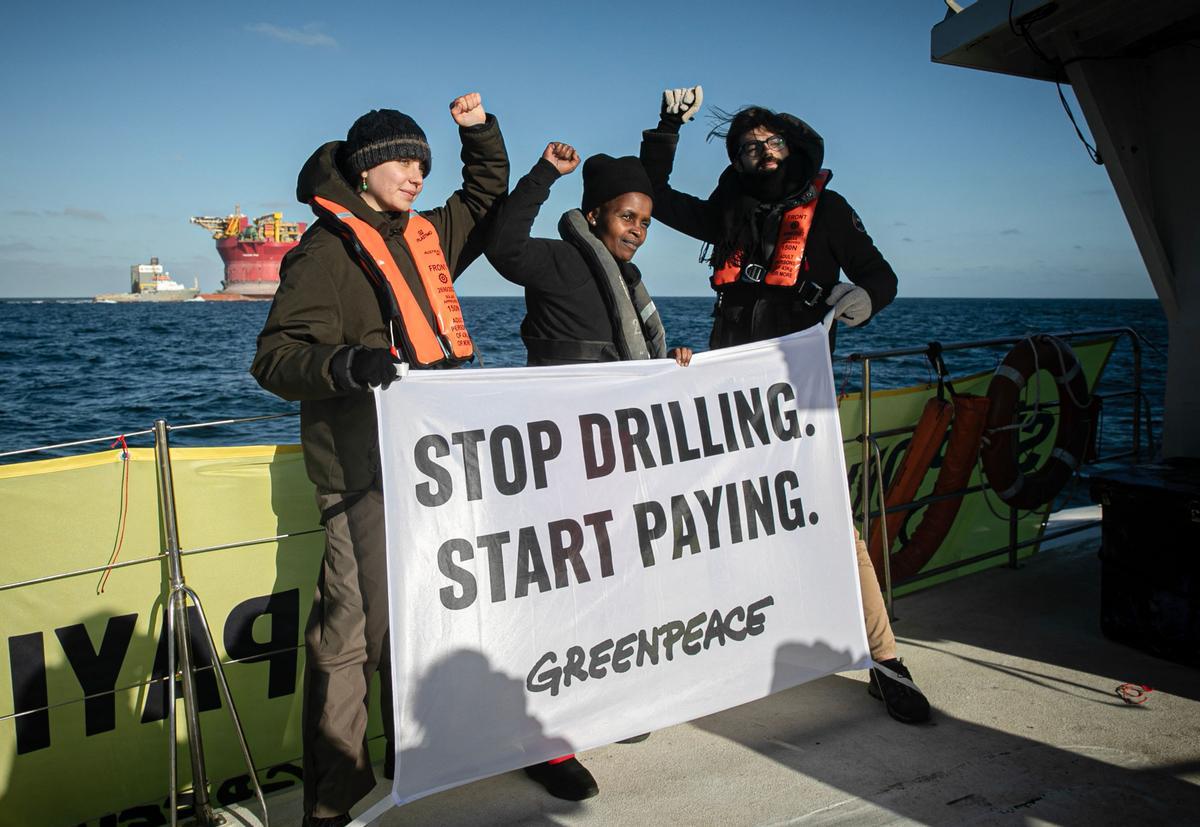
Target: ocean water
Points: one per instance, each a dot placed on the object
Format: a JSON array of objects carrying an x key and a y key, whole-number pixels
[{"x": 74, "y": 370}]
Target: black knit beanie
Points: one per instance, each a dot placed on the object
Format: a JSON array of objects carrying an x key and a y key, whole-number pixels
[
  {"x": 384, "y": 135},
  {"x": 605, "y": 177}
]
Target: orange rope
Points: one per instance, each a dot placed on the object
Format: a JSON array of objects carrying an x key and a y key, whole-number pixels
[{"x": 124, "y": 511}]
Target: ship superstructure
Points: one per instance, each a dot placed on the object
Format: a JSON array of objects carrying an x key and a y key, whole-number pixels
[
  {"x": 251, "y": 249},
  {"x": 152, "y": 283}
]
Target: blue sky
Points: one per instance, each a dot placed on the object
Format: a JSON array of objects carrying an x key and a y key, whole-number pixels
[{"x": 124, "y": 119}]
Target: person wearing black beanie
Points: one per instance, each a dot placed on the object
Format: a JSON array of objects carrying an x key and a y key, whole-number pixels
[
  {"x": 326, "y": 342},
  {"x": 585, "y": 299},
  {"x": 606, "y": 178},
  {"x": 384, "y": 135},
  {"x": 780, "y": 238}
]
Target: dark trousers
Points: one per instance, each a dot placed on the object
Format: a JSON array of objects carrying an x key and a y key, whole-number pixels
[{"x": 346, "y": 643}]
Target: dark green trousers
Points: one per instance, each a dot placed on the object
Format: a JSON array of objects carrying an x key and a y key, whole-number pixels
[{"x": 346, "y": 643}]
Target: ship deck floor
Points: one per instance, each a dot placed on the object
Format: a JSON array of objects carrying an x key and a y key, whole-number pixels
[{"x": 1027, "y": 729}]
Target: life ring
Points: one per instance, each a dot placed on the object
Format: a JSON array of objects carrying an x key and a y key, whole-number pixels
[{"x": 1000, "y": 443}]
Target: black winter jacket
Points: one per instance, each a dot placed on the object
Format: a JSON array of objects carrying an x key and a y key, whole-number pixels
[{"x": 564, "y": 304}]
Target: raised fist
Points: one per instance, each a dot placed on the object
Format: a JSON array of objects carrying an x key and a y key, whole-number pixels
[
  {"x": 467, "y": 110},
  {"x": 681, "y": 105},
  {"x": 562, "y": 156}
]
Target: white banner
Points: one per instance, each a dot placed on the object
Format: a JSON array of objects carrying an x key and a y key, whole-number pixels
[{"x": 582, "y": 554}]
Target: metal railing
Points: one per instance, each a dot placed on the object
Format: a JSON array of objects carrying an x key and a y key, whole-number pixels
[
  {"x": 871, "y": 453},
  {"x": 181, "y": 660}
]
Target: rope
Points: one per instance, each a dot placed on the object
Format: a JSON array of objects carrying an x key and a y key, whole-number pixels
[
  {"x": 1023, "y": 28},
  {"x": 120, "y": 440},
  {"x": 1060, "y": 348},
  {"x": 987, "y": 500},
  {"x": 1037, "y": 386},
  {"x": 842, "y": 392},
  {"x": 1030, "y": 417}
]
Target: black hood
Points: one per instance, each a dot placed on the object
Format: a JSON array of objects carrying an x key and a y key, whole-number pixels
[
  {"x": 322, "y": 176},
  {"x": 806, "y": 153},
  {"x": 751, "y": 204},
  {"x": 804, "y": 140}
]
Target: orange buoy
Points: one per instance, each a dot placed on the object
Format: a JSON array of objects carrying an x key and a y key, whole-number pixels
[{"x": 999, "y": 454}]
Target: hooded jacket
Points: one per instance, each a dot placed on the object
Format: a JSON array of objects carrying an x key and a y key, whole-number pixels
[
  {"x": 576, "y": 311},
  {"x": 325, "y": 304},
  {"x": 837, "y": 241}
]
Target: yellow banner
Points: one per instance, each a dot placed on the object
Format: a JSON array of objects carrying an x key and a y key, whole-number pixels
[
  {"x": 79, "y": 704},
  {"x": 82, "y": 689}
]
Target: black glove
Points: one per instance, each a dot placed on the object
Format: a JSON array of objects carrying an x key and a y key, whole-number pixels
[
  {"x": 371, "y": 366},
  {"x": 356, "y": 368}
]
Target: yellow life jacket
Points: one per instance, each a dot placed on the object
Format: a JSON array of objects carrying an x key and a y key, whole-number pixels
[
  {"x": 424, "y": 346},
  {"x": 789, "y": 247}
]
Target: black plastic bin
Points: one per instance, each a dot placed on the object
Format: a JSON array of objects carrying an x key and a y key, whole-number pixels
[{"x": 1150, "y": 558}]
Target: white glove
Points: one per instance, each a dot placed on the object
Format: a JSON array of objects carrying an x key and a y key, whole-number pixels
[
  {"x": 850, "y": 303},
  {"x": 682, "y": 104}
]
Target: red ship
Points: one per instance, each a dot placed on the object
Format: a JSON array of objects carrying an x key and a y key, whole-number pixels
[{"x": 251, "y": 251}]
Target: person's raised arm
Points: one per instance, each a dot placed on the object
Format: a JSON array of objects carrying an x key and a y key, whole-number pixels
[
  {"x": 485, "y": 180},
  {"x": 688, "y": 214},
  {"x": 519, "y": 258}
]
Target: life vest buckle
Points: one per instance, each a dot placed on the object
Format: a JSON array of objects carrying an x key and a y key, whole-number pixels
[
  {"x": 809, "y": 293},
  {"x": 753, "y": 273}
]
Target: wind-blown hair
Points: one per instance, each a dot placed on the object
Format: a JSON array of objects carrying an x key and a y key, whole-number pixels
[{"x": 729, "y": 126}]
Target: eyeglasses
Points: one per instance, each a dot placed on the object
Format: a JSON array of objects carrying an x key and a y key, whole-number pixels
[{"x": 755, "y": 149}]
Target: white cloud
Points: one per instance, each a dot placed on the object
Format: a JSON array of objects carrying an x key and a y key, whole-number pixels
[{"x": 308, "y": 35}]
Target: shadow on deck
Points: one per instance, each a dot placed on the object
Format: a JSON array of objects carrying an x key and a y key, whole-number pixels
[{"x": 1027, "y": 728}]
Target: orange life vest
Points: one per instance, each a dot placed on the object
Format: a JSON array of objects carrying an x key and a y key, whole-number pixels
[
  {"x": 789, "y": 247},
  {"x": 424, "y": 346}
]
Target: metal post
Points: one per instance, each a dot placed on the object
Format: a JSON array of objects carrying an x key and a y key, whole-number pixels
[{"x": 179, "y": 643}]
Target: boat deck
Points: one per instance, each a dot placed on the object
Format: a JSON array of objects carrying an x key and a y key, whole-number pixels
[{"x": 1027, "y": 728}]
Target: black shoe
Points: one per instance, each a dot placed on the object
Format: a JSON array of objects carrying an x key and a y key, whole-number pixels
[
  {"x": 329, "y": 821},
  {"x": 568, "y": 780},
  {"x": 904, "y": 703},
  {"x": 637, "y": 739}
]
